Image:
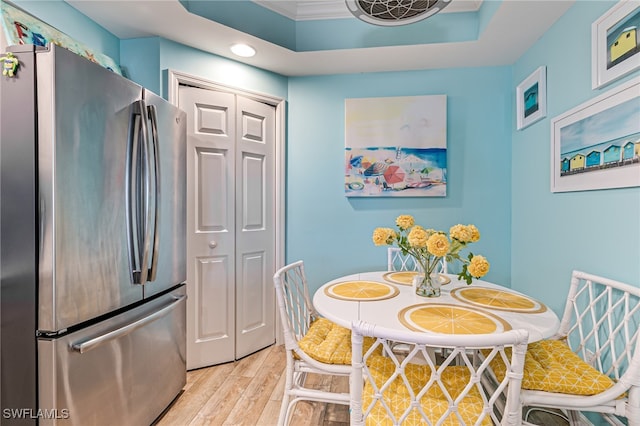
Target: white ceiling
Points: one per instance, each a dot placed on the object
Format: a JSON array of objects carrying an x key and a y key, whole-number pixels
[{"x": 515, "y": 27}]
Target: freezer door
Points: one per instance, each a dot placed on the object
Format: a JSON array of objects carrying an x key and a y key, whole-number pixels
[
  {"x": 124, "y": 371},
  {"x": 84, "y": 142},
  {"x": 167, "y": 261}
]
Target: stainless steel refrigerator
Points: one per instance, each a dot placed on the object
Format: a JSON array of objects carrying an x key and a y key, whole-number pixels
[{"x": 92, "y": 255}]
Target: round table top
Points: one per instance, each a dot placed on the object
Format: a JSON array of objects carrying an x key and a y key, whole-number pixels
[{"x": 388, "y": 299}]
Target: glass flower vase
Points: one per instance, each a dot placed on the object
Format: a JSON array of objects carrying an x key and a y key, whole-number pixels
[{"x": 427, "y": 285}]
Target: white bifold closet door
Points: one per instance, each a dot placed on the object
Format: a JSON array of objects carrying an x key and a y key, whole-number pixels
[{"x": 230, "y": 225}]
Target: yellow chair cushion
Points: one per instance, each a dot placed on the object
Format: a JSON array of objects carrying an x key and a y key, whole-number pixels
[
  {"x": 551, "y": 366},
  {"x": 330, "y": 343},
  {"x": 434, "y": 403}
]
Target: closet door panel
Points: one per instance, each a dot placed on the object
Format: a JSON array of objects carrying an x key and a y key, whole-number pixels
[
  {"x": 253, "y": 271},
  {"x": 211, "y": 182},
  {"x": 255, "y": 234}
]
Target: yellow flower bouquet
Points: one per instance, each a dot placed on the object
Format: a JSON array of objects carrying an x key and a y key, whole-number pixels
[{"x": 429, "y": 247}]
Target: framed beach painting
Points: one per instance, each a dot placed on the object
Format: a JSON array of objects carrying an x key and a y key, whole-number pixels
[
  {"x": 396, "y": 146},
  {"x": 615, "y": 43},
  {"x": 597, "y": 144},
  {"x": 531, "y": 98}
]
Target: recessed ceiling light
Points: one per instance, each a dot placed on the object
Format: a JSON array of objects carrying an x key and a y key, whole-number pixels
[{"x": 243, "y": 50}]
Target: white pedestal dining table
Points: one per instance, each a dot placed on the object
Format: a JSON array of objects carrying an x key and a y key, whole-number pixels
[{"x": 388, "y": 299}]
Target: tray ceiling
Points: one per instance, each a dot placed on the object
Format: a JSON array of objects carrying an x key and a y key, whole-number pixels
[{"x": 296, "y": 38}]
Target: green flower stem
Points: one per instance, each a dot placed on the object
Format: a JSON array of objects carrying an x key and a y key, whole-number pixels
[{"x": 426, "y": 260}]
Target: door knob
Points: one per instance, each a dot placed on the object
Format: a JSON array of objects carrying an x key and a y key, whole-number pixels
[{"x": 213, "y": 244}]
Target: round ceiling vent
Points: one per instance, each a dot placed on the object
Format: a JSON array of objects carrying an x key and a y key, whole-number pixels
[{"x": 395, "y": 12}]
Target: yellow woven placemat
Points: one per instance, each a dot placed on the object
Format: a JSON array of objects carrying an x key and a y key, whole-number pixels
[
  {"x": 497, "y": 299},
  {"x": 406, "y": 277},
  {"x": 451, "y": 319},
  {"x": 361, "y": 290}
]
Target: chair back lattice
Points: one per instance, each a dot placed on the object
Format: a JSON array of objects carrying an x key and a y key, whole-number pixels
[
  {"x": 600, "y": 324},
  {"x": 292, "y": 295},
  {"x": 396, "y": 261},
  {"x": 409, "y": 388}
]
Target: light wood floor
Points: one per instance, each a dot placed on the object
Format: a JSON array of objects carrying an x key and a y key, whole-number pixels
[{"x": 249, "y": 392}]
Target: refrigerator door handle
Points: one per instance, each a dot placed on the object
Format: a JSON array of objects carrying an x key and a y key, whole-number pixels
[
  {"x": 138, "y": 198},
  {"x": 92, "y": 343},
  {"x": 145, "y": 182},
  {"x": 153, "y": 117},
  {"x": 132, "y": 193}
]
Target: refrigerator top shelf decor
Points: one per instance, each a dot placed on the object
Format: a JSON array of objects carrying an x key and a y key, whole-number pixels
[{"x": 23, "y": 28}]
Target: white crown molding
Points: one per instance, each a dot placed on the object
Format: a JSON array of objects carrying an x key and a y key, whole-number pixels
[
  {"x": 463, "y": 6},
  {"x": 307, "y": 10},
  {"x": 311, "y": 10}
]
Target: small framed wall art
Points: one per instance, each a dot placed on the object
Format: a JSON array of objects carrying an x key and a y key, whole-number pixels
[
  {"x": 531, "y": 98},
  {"x": 615, "y": 43},
  {"x": 596, "y": 145}
]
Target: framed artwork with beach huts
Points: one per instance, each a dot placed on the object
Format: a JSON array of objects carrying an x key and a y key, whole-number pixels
[
  {"x": 615, "y": 43},
  {"x": 396, "y": 146},
  {"x": 597, "y": 144}
]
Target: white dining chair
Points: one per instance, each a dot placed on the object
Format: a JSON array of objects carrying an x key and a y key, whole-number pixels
[
  {"x": 312, "y": 344},
  {"x": 592, "y": 364},
  {"x": 394, "y": 390},
  {"x": 396, "y": 261}
]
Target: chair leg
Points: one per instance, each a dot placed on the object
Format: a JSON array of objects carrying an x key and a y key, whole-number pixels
[
  {"x": 283, "y": 418},
  {"x": 574, "y": 417},
  {"x": 633, "y": 408},
  {"x": 285, "y": 412}
]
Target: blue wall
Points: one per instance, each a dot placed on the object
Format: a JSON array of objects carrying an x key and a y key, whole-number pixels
[
  {"x": 140, "y": 61},
  {"x": 498, "y": 176},
  {"x": 332, "y": 233},
  {"x": 178, "y": 57},
  {"x": 147, "y": 59},
  {"x": 554, "y": 233}
]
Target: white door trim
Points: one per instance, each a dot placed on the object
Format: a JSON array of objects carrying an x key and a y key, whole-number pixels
[{"x": 175, "y": 78}]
